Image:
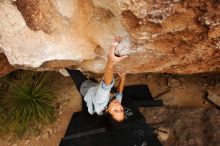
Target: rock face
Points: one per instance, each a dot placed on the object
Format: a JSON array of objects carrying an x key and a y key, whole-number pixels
[
  {"x": 169, "y": 36},
  {"x": 5, "y": 66},
  {"x": 188, "y": 126}
]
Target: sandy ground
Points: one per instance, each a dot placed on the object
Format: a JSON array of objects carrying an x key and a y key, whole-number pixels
[{"x": 184, "y": 100}]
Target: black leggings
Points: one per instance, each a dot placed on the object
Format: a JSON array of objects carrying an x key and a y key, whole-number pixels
[{"x": 78, "y": 78}]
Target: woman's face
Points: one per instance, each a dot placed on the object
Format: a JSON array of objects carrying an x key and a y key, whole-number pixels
[{"x": 116, "y": 110}]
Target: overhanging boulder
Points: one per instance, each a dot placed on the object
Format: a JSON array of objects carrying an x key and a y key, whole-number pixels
[{"x": 159, "y": 36}]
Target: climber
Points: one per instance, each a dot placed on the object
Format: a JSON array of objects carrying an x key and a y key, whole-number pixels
[{"x": 97, "y": 97}]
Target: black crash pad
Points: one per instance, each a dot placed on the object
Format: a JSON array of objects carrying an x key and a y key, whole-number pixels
[{"x": 88, "y": 130}]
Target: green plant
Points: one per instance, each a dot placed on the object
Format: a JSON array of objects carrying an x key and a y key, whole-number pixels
[{"x": 27, "y": 101}]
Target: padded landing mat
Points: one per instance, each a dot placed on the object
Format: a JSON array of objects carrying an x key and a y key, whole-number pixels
[
  {"x": 131, "y": 134},
  {"x": 88, "y": 130}
]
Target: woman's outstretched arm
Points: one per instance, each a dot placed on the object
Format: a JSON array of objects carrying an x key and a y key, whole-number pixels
[{"x": 111, "y": 62}]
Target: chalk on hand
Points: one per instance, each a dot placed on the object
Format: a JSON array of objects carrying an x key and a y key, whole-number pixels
[{"x": 115, "y": 44}]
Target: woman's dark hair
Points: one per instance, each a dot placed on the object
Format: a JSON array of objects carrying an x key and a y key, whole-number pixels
[{"x": 110, "y": 123}]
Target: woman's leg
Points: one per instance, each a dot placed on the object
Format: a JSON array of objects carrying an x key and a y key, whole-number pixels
[{"x": 78, "y": 77}]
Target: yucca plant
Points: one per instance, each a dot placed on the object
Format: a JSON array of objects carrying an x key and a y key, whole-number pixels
[{"x": 27, "y": 101}]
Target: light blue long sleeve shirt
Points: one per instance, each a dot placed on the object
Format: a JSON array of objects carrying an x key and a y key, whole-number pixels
[{"x": 97, "y": 95}]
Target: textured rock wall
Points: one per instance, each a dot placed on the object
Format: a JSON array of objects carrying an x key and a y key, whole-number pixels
[
  {"x": 187, "y": 126},
  {"x": 173, "y": 36},
  {"x": 5, "y": 67}
]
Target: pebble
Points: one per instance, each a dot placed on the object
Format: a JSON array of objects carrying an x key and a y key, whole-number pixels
[
  {"x": 45, "y": 135},
  {"x": 60, "y": 112},
  {"x": 49, "y": 130},
  {"x": 38, "y": 138},
  {"x": 163, "y": 136},
  {"x": 140, "y": 22},
  {"x": 27, "y": 142}
]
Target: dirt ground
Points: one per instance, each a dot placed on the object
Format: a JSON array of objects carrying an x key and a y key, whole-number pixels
[{"x": 190, "y": 119}]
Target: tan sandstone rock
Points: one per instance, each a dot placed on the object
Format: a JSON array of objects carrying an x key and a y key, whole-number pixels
[
  {"x": 159, "y": 36},
  {"x": 5, "y": 67}
]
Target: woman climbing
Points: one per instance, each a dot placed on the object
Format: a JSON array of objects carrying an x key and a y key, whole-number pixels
[{"x": 97, "y": 96}]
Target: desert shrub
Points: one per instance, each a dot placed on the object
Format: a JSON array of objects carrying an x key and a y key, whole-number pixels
[{"x": 26, "y": 101}]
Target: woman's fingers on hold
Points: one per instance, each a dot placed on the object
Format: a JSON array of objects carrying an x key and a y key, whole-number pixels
[{"x": 122, "y": 74}]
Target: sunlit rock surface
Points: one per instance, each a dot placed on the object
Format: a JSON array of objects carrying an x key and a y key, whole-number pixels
[{"x": 169, "y": 36}]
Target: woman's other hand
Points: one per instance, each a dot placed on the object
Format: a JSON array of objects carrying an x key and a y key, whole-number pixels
[{"x": 122, "y": 76}]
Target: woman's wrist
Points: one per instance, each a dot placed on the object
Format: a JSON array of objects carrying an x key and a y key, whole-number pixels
[
  {"x": 110, "y": 63},
  {"x": 122, "y": 78}
]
